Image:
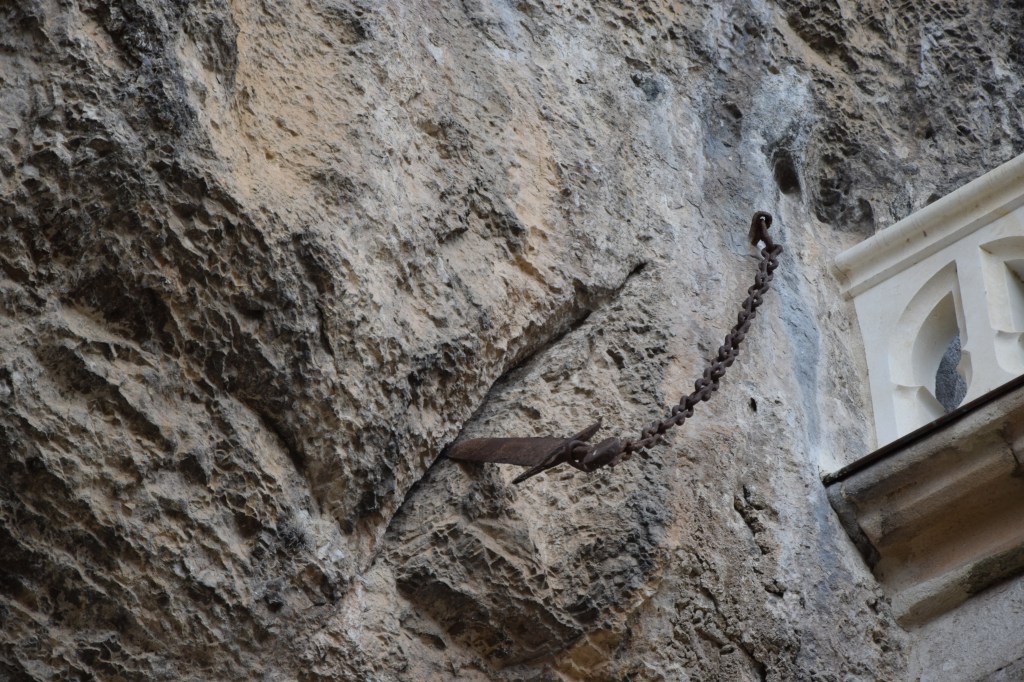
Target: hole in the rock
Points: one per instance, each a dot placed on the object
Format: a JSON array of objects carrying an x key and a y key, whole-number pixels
[{"x": 784, "y": 169}]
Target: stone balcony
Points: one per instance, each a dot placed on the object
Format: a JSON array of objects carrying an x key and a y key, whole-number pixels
[{"x": 937, "y": 510}]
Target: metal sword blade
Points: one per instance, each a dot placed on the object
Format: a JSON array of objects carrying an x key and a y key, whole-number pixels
[{"x": 525, "y": 452}]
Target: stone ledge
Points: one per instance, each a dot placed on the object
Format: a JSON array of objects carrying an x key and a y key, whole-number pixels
[{"x": 941, "y": 518}]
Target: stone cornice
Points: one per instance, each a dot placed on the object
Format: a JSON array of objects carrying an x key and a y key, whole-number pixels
[
  {"x": 934, "y": 227},
  {"x": 939, "y": 519}
]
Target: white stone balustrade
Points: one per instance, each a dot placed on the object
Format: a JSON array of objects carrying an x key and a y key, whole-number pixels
[{"x": 954, "y": 268}]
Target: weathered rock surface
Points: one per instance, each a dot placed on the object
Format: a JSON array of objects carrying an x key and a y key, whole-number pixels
[{"x": 261, "y": 262}]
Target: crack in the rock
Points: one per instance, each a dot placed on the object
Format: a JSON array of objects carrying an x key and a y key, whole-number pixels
[
  {"x": 749, "y": 512},
  {"x": 285, "y": 441},
  {"x": 583, "y": 305}
]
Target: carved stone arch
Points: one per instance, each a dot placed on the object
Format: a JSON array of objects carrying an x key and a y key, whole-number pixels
[
  {"x": 931, "y": 321},
  {"x": 1003, "y": 266}
]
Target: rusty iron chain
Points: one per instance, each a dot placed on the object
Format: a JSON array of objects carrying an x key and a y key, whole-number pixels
[
  {"x": 706, "y": 386},
  {"x": 578, "y": 453}
]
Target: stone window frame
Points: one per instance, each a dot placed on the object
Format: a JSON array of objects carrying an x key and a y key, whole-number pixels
[{"x": 954, "y": 267}]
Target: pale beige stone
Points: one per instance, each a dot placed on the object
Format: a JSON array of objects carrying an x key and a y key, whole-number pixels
[{"x": 939, "y": 519}]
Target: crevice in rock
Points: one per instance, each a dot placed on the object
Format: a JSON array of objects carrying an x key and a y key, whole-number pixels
[
  {"x": 586, "y": 302},
  {"x": 325, "y": 340},
  {"x": 784, "y": 169},
  {"x": 582, "y": 306},
  {"x": 284, "y": 439},
  {"x": 759, "y": 668}
]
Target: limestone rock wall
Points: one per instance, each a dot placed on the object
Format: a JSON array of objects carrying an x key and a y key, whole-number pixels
[{"x": 260, "y": 262}]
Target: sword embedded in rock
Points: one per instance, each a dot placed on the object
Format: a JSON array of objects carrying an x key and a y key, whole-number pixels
[{"x": 540, "y": 454}]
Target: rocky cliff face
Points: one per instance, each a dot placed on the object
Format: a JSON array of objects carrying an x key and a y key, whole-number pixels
[{"x": 261, "y": 262}]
